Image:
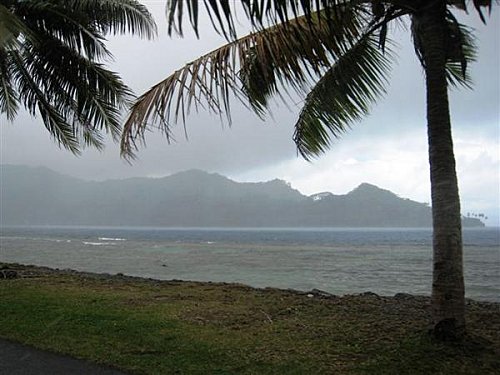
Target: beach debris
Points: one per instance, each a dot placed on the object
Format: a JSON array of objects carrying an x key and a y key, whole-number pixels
[
  {"x": 321, "y": 293},
  {"x": 370, "y": 294},
  {"x": 8, "y": 274},
  {"x": 403, "y": 296},
  {"x": 267, "y": 316}
]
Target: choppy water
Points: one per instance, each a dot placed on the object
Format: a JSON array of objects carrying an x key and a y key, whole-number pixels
[{"x": 340, "y": 261}]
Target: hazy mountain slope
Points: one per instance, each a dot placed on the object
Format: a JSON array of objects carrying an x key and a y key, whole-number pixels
[
  {"x": 39, "y": 196},
  {"x": 368, "y": 205}
]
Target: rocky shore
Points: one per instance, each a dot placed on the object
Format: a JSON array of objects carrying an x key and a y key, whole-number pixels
[{"x": 419, "y": 304}]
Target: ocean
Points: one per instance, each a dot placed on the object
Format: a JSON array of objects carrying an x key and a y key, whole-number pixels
[{"x": 338, "y": 261}]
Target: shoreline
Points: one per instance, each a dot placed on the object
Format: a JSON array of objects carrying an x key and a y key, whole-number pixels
[
  {"x": 33, "y": 271},
  {"x": 337, "y": 262}
]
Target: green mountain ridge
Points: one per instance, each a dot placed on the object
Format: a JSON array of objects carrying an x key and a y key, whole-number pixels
[{"x": 194, "y": 198}]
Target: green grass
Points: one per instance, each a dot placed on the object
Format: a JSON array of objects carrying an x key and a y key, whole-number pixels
[{"x": 149, "y": 327}]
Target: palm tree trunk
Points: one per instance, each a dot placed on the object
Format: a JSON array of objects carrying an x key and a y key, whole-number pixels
[{"x": 448, "y": 304}]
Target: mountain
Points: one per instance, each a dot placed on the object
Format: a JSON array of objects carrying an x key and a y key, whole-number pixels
[{"x": 40, "y": 196}]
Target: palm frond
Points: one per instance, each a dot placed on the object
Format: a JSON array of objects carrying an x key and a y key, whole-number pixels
[
  {"x": 82, "y": 25},
  {"x": 259, "y": 12},
  {"x": 295, "y": 53},
  {"x": 478, "y": 4},
  {"x": 78, "y": 88},
  {"x": 205, "y": 82},
  {"x": 72, "y": 28},
  {"x": 342, "y": 96},
  {"x": 92, "y": 137},
  {"x": 9, "y": 101},
  {"x": 35, "y": 100},
  {"x": 10, "y": 29},
  {"x": 118, "y": 16},
  {"x": 55, "y": 69},
  {"x": 462, "y": 51},
  {"x": 261, "y": 77}
]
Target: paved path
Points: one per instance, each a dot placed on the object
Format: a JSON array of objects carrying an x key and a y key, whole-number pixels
[{"x": 18, "y": 359}]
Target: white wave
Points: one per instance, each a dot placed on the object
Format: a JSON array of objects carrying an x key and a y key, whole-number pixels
[
  {"x": 52, "y": 239},
  {"x": 97, "y": 243},
  {"x": 112, "y": 239}
]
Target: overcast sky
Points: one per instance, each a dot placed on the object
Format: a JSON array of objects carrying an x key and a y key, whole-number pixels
[{"x": 388, "y": 149}]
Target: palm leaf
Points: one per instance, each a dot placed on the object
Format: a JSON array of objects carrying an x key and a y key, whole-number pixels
[
  {"x": 463, "y": 51},
  {"x": 92, "y": 137},
  {"x": 259, "y": 12},
  {"x": 58, "y": 75},
  {"x": 35, "y": 100},
  {"x": 478, "y": 4},
  {"x": 118, "y": 16},
  {"x": 80, "y": 89},
  {"x": 81, "y": 25},
  {"x": 261, "y": 79},
  {"x": 297, "y": 51},
  {"x": 70, "y": 26},
  {"x": 342, "y": 96},
  {"x": 460, "y": 50},
  {"x": 10, "y": 29},
  {"x": 9, "y": 101}
]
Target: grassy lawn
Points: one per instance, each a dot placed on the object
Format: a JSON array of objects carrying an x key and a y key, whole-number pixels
[{"x": 173, "y": 327}]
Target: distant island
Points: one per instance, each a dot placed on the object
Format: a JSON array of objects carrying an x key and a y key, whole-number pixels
[{"x": 40, "y": 196}]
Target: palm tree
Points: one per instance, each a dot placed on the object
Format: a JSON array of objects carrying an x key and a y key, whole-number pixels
[
  {"x": 51, "y": 54},
  {"x": 337, "y": 55}
]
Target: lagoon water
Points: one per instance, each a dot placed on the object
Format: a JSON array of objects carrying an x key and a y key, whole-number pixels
[{"x": 339, "y": 261}]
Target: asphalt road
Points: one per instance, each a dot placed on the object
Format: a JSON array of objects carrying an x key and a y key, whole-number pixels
[{"x": 18, "y": 359}]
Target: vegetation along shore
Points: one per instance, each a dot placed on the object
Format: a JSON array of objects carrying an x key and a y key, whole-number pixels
[{"x": 145, "y": 326}]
